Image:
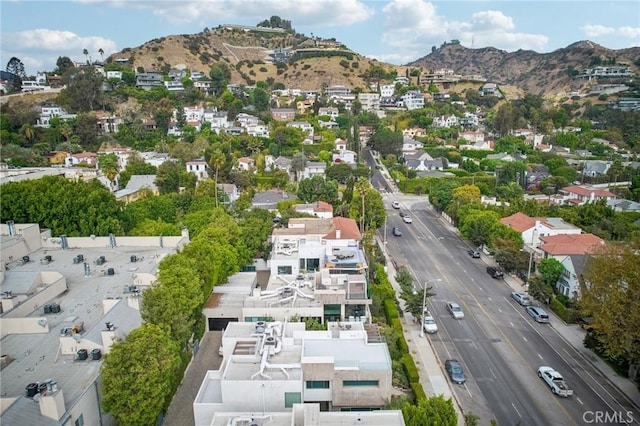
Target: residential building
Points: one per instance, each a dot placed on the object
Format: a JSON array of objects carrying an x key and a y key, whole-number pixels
[
  {"x": 314, "y": 168},
  {"x": 66, "y": 300},
  {"x": 370, "y": 101},
  {"x": 490, "y": 89},
  {"x": 345, "y": 156},
  {"x": 534, "y": 228},
  {"x": 84, "y": 158},
  {"x": 595, "y": 168},
  {"x": 557, "y": 246},
  {"x": 413, "y": 99},
  {"x": 387, "y": 90},
  {"x": 107, "y": 122},
  {"x": 198, "y": 167},
  {"x": 230, "y": 191},
  {"x": 330, "y": 111},
  {"x": 569, "y": 282},
  {"x": 114, "y": 75},
  {"x": 305, "y": 126},
  {"x": 268, "y": 200},
  {"x": 246, "y": 163},
  {"x": 319, "y": 209},
  {"x": 203, "y": 86},
  {"x": 282, "y": 163},
  {"x": 340, "y": 144},
  {"x": 582, "y": 194},
  {"x": 139, "y": 186},
  {"x": 174, "y": 85},
  {"x": 337, "y": 91},
  {"x": 445, "y": 121},
  {"x": 414, "y": 132},
  {"x": 283, "y": 114},
  {"x": 49, "y": 111},
  {"x": 218, "y": 119},
  {"x": 154, "y": 158},
  {"x": 149, "y": 80},
  {"x": 285, "y": 366},
  {"x": 473, "y": 137}
]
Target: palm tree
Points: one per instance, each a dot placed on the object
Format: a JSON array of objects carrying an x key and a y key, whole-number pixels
[
  {"x": 85, "y": 52},
  {"x": 362, "y": 186},
  {"x": 101, "y": 52},
  {"x": 217, "y": 160}
]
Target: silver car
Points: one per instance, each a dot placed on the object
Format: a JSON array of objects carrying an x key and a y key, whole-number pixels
[
  {"x": 538, "y": 314},
  {"x": 455, "y": 310},
  {"x": 521, "y": 298}
]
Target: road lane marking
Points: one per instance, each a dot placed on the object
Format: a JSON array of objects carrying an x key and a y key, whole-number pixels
[
  {"x": 540, "y": 356},
  {"x": 514, "y": 407},
  {"x": 580, "y": 401},
  {"x": 489, "y": 298},
  {"x": 524, "y": 338},
  {"x": 492, "y": 373},
  {"x": 511, "y": 323},
  {"x": 499, "y": 310}
]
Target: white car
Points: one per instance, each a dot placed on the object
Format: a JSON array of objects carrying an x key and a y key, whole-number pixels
[
  {"x": 407, "y": 219},
  {"x": 455, "y": 310},
  {"x": 395, "y": 205},
  {"x": 429, "y": 324}
]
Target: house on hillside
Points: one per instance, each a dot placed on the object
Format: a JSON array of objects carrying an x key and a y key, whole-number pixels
[
  {"x": 283, "y": 114},
  {"x": 198, "y": 167},
  {"x": 582, "y": 194}
]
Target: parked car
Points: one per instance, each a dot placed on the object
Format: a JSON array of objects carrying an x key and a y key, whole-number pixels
[
  {"x": 429, "y": 324},
  {"x": 538, "y": 314},
  {"x": 454, "y": 370},
  {"x": 395, "y": 205},
  {"x": 521, "y": 298},
  {"x": 495, "y": 271},
  {"x": 474, "y": 253},
  {"x": 455, "y": 310},
  {"x": 397, "y": 232},
  {"x": 407, "y": 219}
]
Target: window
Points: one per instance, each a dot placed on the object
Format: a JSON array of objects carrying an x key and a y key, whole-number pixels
[
  {"x": 291, "y": 398},
  {"x": 317, "y": 384},
  {"x": 80, "y": 421},
  {"x": 350, "y": 383},
  {"x": 284, "y": 270}
]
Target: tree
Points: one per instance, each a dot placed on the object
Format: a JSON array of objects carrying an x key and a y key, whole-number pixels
[
  {"x": 551, "y": 270},
  {"x": 101, "y": 52},
  {"x": 374, "y": 210},
  {"x": 478, "y": 225},
  {"x": 136, "y": 166},
  {"x": 318, "y": 189},
  {"x": 386, "y": 141},
  {"x": 139, "y": 375},
  {"x": 168, "y": 177},
  {"x": 16, "y": 68},
  {"x": 260, "y": 99},
  {"x": 610, "y": 294},
  {"x": 298, "y": 163},
  {"x": 84, "y": 89},
  {"x": 108, "y": 164},
  {"x": 64, "y": 64},
  {"x": 85, "y": 52},
  {"x": 175, "y": 298},
  {"x": 216, "y": 162},
  {"x": 220, "y": 76},
  {"x": 434, "y": 411},
  {"x": 413, "y": 299}
]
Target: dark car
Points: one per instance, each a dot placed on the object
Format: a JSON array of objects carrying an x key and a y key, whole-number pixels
[
  {"x": 397, "y": 232},
  {"x": 403, "y": 213},
  {"x": 454, "y": 370},
  {"x": 474, "y": 253},
  {"x": 495, "y": 271}
]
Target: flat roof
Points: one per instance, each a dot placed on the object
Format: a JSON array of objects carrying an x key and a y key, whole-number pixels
[
  {"x": 36, "y": 357},
  {"x": 350, "y": 353}
]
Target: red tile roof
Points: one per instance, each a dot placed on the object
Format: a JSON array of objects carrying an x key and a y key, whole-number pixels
[
  {"x": 568, "y": 244},
  {"x": 348, "y": 229},
  {"x": 586, "y": 191},
  {"x": 519, "y": 221}
]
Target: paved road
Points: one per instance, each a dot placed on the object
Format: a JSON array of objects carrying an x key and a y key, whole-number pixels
[{"x": 499, "y": 345}]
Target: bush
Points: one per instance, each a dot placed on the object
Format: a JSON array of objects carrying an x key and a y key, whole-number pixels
[
  {"x": 402, "y": 343},
  {"x": 568, "y": 315},
  {"x": 390, "y": 310},
  {"x": 410, "y": 368},
  {"x": 418, "y": 391}
]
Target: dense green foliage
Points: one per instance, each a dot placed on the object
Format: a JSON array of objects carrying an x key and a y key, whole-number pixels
[{"x": 72, "y": 208}]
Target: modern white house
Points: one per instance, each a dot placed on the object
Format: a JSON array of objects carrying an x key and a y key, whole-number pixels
[
  {"x": 272, "y": 368},
  {"x": 198, "y": 167}
]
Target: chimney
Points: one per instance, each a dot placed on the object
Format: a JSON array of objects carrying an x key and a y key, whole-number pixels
[
  {"x": 338, "y": 234},
  {"x": 52, "y": 403}
]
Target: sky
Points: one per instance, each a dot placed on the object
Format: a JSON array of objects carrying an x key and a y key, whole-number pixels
[{"x": 392, "y": 31}]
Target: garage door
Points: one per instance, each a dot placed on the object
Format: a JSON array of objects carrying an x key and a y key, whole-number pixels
[{"x": 220, "y": 323}]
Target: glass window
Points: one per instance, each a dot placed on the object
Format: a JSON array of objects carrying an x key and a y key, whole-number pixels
[
  {"x": 317, "y": 384},
  {"x": 347, "y": 383},
  {"x": 291, "y": 398},
  {"x": 80, "y": 420},
  {"x": 284, "y": 270}
]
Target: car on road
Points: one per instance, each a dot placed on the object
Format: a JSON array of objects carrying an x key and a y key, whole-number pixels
[
  {"x": 555, "y": 381},
  {"x": 454, "y": 370},
  {"x": 495, "y": 271},
  {"x": 396, "y": 231},
  {"x": 403, "y": 213},
  {"x": 538, "y": 314},
  {"x": 455, "y": 310},
  {"x": 407, "y": 219},
  {"x": 474, "y": 253},
  {"x": 429, "y": 324},
  {"x": 521, "y": 298},
  {"x": 395, "y": 205}
]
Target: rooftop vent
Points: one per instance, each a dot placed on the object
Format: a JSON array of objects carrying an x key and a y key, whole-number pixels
[
  {"x": 260, "y": 327},
  {"x": 25, "y": 259},
  {"x": 109, "y": 326},
  {"x": 134, "y": 258},
  {"x": 82, "y": 354}
]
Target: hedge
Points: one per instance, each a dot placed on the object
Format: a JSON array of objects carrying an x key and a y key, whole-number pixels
[
  {"x": 410, "y": 368},
  {"x": 402, "y": 343},
  {"x": 568, "y": 315},
  {"x": 390, "y": 310},
  {"x": 418, "y": 391}
]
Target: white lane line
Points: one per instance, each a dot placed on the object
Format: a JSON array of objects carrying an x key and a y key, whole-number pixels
[
  {"x": 514, "y": 407},
  {"x": 578, "y": 399},
  {"x": 511, "y": 323},
  {"x": 499, "y": 310},
  {"x": 524, "y": 338},
  {"x": 540, "y": 356},
  {"x": 489, "y": 299},
  {"x": 492, "y": 373}
]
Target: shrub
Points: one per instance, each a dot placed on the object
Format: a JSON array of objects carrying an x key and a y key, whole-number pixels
[
  {"x": 568, "y": 315},
  {"x": 418, "y": 391},
  {"x": 390, "y": 310},
  {"x": 263, "y": 69},
  {"x": 410, "y": 368}
]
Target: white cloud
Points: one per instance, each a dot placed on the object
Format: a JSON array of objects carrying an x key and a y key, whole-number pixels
[
  {"x": 61, "y": 42},
  {"x": 320, "y": 13},
  {"x": 413, "y": 26},
  {"x": 601, "y": 30}
]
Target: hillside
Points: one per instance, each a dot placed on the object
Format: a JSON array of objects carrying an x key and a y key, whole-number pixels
[
  {"x": 540, "y": 73},
  {"x": 246, "y": 52}
]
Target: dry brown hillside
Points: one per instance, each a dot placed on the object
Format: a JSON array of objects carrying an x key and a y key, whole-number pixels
[
  {"x": 246, "y": 54},
  {"x": 541, "y": 73}
]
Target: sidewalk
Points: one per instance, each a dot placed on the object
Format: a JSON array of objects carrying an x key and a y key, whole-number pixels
[{"x": 432, "y": 375}]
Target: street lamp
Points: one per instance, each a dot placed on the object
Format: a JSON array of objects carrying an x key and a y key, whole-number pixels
[{"x": 424, "y": 302}]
